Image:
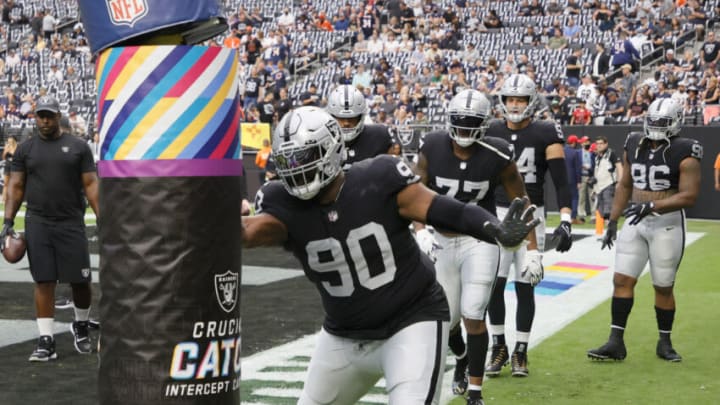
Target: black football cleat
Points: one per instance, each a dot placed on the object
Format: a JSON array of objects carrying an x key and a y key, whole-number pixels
[
  {"x": 498, "y": 358},
  {"x": 475, "y": 401},
  {"x": 460, "y": 377},
  {"x": 612, "y": 350},
  {"x": 45, "y": 350},
  {"x": 665, "y": 351},
  {"x": 519, "y": 364}
]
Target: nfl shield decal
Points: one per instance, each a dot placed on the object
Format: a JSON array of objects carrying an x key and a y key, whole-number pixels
[
  {"x": 126, "y": 12},
  {"x": 226, "y": 290}
]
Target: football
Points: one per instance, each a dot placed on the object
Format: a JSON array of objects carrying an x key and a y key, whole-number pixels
[{"x": 15, "y": 247}]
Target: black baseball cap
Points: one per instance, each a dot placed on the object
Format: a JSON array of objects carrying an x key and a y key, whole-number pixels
[{"x": 47, "y": 103}]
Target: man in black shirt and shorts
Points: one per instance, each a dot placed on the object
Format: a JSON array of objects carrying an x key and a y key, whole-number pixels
[{"x": 50, "y": 172}]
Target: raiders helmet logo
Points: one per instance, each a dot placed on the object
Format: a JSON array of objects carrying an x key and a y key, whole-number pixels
[{"x": 226, "y": 290}]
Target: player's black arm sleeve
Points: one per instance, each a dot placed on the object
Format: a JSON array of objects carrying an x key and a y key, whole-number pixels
[
  {"x": 560, "y": 180},
  {"x": 448, "y": 213}
]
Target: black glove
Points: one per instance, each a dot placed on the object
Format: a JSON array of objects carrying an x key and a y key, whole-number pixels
[
  {"x": 591, "y": 181},
  {"x": 610, "y": 235},
  {"x": 515, "y": 226},
  {"x": 7, "y": 229},
  {"x": 636, "y": 212},
  {"x": 563, "y": 236}
]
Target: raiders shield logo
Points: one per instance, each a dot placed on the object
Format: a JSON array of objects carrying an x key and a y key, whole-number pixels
[
  {"x": 405, "y": 136},
  {"x": 226, "y": 290},
  {"x": 126, "y": 12}
]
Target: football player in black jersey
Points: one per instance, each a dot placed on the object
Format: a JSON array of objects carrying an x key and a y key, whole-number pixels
[
  {"x": 660, "y": 177},
  {"x": 538, "y": 147},
  {"x": 362, "y": 141},
  {"x": 385, "y": 313},
  {"x": 464, "y": 164}
]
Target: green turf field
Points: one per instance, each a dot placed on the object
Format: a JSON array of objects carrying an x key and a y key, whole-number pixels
[{"x": 561, "y": 373}]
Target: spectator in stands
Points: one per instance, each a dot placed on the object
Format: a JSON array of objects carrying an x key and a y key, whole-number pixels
[
  {"x": 536, "y": 9},
  {"x": 711, "y": 99},
  {"x": 492, "y": 20},
  {"x": 600, "y": 61},
  {"x": 261, "y": 160},
  {"x": 692, "y": 104},
  {"x": 571, "y": 30},
  {"x": 604, "y": 17},
  {"x": 266, "y": 109},
  {"x": 362, "y": 76},
  {"x": 36, "y": 25},
  {"x": 283, "y": 104},
  {"x": 449, "y": 41},
  {"x": 12, "y": 59},
  {"x": 587, "y": 91},
  {"x": 710, "y": 51},
  {"x": 636, "y": 110},
  {"x": 407, "y": 15},
  {"x": 663, "y": 91},
  {"x": 615, "y": 109},
  {"x": 375, "y": 45},
  {"x": 310, "y": 97},
  {"x": 78, "y": 126},
  {"x": 698, "y": 17},
  {"x": 557, "y": 112},
  {"x": 434, "y": 51},
  {"x": 680, "y": 95},
  {"x": 624, "y": 52},
  {"x": 581, "y": 115},
  {"x": 253, "y": 46},
  {"x": 572, "y": 8},
  {"x": 48, "y": 25},
  {"x": 286, "y": 20},
  {"x": 628, "y": 82},
  {"x": 573, "y": 68},
  {"x": 556, "y": 42}
]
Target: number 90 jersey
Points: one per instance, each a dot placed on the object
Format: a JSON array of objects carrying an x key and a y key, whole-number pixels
[
  {"x": 529, "y": 145},
  {"x": 659, "y": 169},
  {"x": 360, "y": 252},
  {"x": 470, "y": 181}
]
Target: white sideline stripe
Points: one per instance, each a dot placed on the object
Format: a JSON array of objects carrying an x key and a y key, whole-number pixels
[
  {"x": 295, "y": 393},
  {"x": 15, "y": 331}
]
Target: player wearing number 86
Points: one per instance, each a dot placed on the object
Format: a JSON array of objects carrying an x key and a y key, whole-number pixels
[
  {"x": 386, "y": 314},
  {"x": 660, "y": 177}
]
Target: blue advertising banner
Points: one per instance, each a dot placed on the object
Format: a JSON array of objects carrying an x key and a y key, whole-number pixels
[{"x": 109, "y": 22}]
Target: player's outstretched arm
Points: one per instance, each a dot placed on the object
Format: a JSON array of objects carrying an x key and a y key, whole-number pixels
[
  {"x": 418, "y": 203},
  {"x": 262, "y": 230}
]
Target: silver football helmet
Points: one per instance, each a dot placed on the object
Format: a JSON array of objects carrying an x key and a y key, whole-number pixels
[
  {"x": 469, "y": 113},
  {"x": 346, "y": 101},
  {"x": 518, "y": 85},
  {"x": 663, "y": 119},
  {"x": 308, "y": 151}
]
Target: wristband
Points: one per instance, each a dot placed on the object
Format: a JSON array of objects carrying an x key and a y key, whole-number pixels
[{"x": 9, "y": 222}]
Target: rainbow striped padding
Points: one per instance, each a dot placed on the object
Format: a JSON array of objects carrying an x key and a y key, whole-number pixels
[{"x": 168, "y": 103}]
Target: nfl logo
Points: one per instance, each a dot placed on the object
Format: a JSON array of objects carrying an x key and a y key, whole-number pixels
[
  {"x": 333, "y": 216},
  {"x": 126, "y": 12}
]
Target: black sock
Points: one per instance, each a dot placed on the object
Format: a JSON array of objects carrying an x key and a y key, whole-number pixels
[
  {"x": 496, "y": 306},
  {"x": 665, "y": 318},
  {"x": 521, "y": 347},
  {"x": 477, "y": 352},
  {"x": 620, "y": 312},
  {"x": 525, "y": 306},
  {"x": 475, "y": 394},
  {"x": 456, "y": 343}
]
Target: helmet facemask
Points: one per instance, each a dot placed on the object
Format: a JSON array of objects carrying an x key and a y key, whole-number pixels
[{"x": 465, "y": 130}]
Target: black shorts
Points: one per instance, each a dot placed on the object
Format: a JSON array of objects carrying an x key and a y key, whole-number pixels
[{"x": 58, "y": 252}]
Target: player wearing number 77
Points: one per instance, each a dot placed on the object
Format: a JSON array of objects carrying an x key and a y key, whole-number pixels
[
  {"x": 385, "y": 313},
  {"x": 661, "y": 177},
  {"x": 462, "y": 163}
]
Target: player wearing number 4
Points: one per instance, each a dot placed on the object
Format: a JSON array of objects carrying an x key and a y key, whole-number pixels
[
  {"x": 661, "y": 177},
  {"x": 385, "y": 313},
  {"x": 464, "y": 164},
  {"x": 538, "y": 147}
]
